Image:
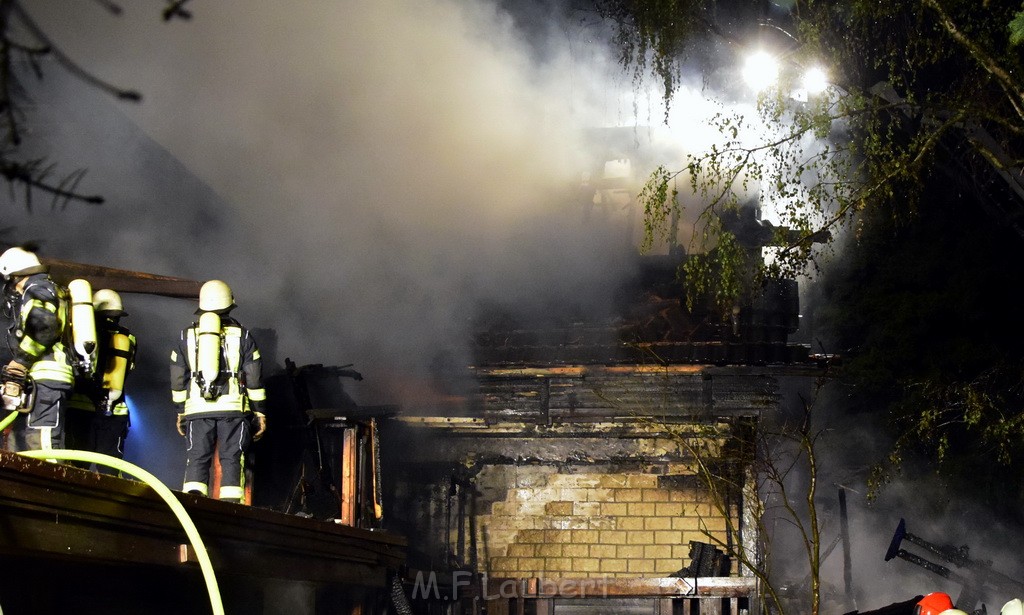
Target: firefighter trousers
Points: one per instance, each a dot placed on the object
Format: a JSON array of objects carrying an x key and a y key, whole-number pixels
[{"x": 230, "y": 437}]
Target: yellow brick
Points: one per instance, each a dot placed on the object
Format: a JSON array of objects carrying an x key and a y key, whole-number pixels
[
  {"x": 558, "y": 564},
  {"x": 613, "y": 481},
  {"x": 613, "y": 565},
  {"x": 503, "y": 537},
  {"x": 613, "y": 508},
  {"x": 573, "y": 495},
  {"x": 658, "y": 551},
  {"x": 532, "y": 564},
  {"x": 600, "y": 495},
  {"x": 654, "y": 495},
  {"x": 627, "y": 495},
  {"x": 601, "y": 523},
  {"x": 549, "y": 550},
  {"x": 544, "y": 494},
  {"x": 576, "y": 550},
  {"x": 668, "y": 509},
  {"x": 612, "y": 537},
  {"x": 602, "y": 551},
  {"x": 585, "y": 536},
  {"x": 558, "y": 508},
  {"x": 640, "y": 510},
  {"x": 638, "y": 481},
  {"x": 668, "y": 537},
  {"x": 666, "y": 567},
  {"x": 586, "y": 565},
  {"x": 504, "y": 564},
  {"x": 639, "y": 537},
  {"x": 689, "y": 524},
  {"x": 557, "y": 536},
  {"x": 586, "y": 509},
  {"x": 630, "y": 523},
  {"x": 629, "y": 551},
  {"x": 680, "y": 469},
  {"x": 681, "y": 552},
  {"x": 640, "y": 565},
  {"x": 533, "y": 536},
  {"x": 680, "y": 496},
  {"x": 657, "y": 523},
  {"x": 521, "y": 550},
  {"x": 574, "y": 481},
  {"x": 567, "y": 523}
]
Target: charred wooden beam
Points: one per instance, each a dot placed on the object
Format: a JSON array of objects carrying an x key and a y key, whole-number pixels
[{"x": 123, "y": 280}]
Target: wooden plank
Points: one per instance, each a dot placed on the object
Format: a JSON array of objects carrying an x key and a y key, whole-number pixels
[
  {"x": 123, "y": 280},
  {"x": 348, "y": 476},
  {"x": 53, "y": 510}
]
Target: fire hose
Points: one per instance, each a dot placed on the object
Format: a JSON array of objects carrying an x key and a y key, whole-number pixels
[
  {"x": 161, "y": 489},
  {"x": 8, "y": 420}
]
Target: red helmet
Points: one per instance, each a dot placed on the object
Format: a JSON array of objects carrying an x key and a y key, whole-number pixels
[{"x": 933, "y": 604}]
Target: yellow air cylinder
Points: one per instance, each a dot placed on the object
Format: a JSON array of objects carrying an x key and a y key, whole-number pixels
[
  {"x": 83, "y": 323},
  {"x": 117, "y": 366},
  {"x": 208, "y": 351}
]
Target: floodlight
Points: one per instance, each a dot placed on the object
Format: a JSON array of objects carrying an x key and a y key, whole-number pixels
[{"x": 761, "y": 70}]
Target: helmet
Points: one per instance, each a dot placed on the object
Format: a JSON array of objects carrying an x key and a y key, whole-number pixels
[
  {"x": 1013, "y": 607},
  {"x": 108, "y": 303},
  {"x": 934, "y": 604},
  {"x": 18, "y": 261},
  {"x": 953, "y": 612},
  {"x": 215, "y": 296}
]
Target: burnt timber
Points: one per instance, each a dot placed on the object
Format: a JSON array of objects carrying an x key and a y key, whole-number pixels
[
  {"x": 123, "y": 280},
  {"x": 92, "y": 529}
]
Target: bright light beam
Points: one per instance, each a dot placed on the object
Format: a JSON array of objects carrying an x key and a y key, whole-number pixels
[
  {"x": 815, "y": 80},
  {"x": 761, "y": 70}
]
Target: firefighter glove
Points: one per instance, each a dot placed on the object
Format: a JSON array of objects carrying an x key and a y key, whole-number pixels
[
  {"x": 13, "y": 376},
  {"x": 181, "y": 424},
  {"x": 261, "y": 426}
]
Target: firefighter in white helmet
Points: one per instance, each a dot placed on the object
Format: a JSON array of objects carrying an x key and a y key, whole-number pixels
[
  {"x": 35, "y": 370},
  {"x": 216, "y": 384},
  {"x": 100, "y": 395}
]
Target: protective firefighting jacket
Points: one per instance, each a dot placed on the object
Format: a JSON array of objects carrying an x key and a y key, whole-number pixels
[
  {"x": 238, "y": 387},
  {"x": 36, "y": 325}
]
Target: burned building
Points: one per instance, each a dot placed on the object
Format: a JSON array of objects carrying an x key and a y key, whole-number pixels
[{"x": 570, "y": 474}]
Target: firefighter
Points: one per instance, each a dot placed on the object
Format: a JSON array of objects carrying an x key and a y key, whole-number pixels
[
  {"x": 99, "y": 397},
  {"x": 216, "y": 385},
  {"x": 36, "y": 375}
]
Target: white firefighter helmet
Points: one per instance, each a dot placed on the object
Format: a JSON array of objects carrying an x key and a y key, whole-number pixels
[
  {"x": 1013, "y": 607},
  {"x": 108, "y": 303},
  {"x": 953, "y": 612},
  {"x": 18, "y": 261},
  {"x": 215, "y": 296}
]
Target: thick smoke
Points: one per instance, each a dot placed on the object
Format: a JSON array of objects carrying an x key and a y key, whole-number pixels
[{"x": 380, "y": 167}]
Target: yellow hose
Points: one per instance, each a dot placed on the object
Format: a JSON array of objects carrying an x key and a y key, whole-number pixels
[
  {"x": 161, "y": 489},
  {"x": 8, "y": 420}
]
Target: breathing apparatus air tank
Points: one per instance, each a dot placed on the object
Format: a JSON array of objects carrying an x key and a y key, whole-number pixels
[
  {"x": 116, "y": 370},
  {"x": 208, "y": 354},
  {"x": 83, "y": 324}
]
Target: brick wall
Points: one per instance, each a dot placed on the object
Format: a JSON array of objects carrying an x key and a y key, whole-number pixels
[{"x": 592, "y": 524}]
